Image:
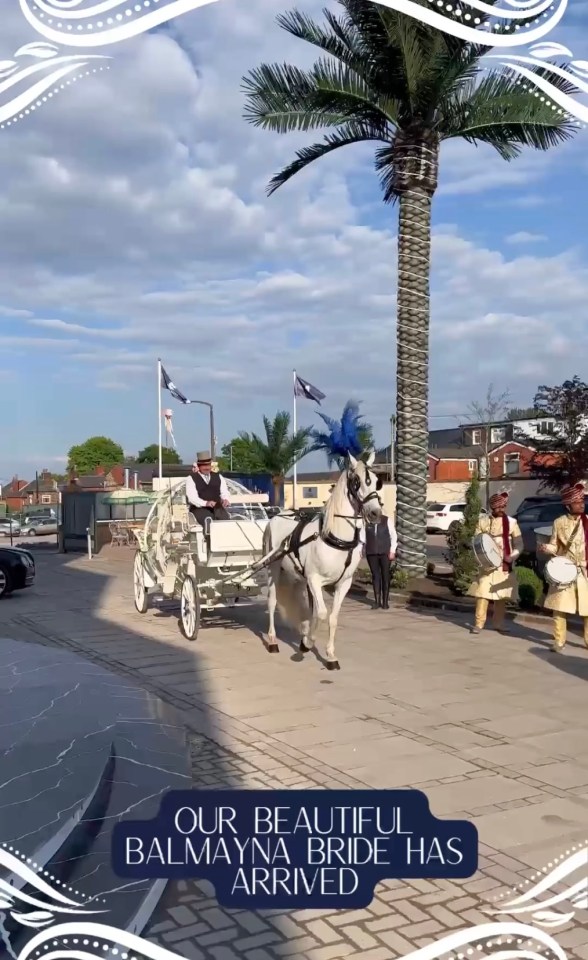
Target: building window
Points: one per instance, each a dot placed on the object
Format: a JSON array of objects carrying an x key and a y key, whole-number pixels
[
  {"x": 476, "y": 437},
  {"x": 511, "y": 463},
  {"x": 472, "y": 466},
  {"x": 309, "y": 493},
  {"x": 498, "y": 435},
  {"x": 546, "y": 427},
  {"x": 45, "y": 498}
]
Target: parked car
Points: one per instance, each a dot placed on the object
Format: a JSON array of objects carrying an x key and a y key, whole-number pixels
[
  {"x": 6, "y": 525},
  {"x": 540, "y": 500},
  {"x": 40, "y": 527},
  {"x": 17, "y": 570},
  {"x": 540, "y": 514},
  {"x": 442, "y": 516}
]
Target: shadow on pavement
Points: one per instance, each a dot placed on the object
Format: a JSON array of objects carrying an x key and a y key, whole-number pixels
[{"x": 67, "y": 609}]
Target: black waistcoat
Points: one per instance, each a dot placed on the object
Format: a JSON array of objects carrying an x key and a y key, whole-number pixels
[
  {"x": 210, "y": 490},
  {"x": 377, "y": 538}
]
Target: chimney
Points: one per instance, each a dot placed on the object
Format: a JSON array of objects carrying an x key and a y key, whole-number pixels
[
  {"x": 100, "y": 471},
  {"x": 126, "y": 477},
  {"x": 46, "y": 475}
]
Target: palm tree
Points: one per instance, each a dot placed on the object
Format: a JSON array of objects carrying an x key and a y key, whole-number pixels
[
  {"x": 351, "y": 434},
  {"x": 391, "y": 80},
  {"x": 280, "y": 450}
]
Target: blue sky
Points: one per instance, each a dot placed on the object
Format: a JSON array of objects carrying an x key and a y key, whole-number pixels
[{"x": 135, "y": 225}]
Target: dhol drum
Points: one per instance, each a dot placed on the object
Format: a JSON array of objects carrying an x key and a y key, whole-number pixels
[
  {"x": 560, "y": 572},
  {"x": 486, "y": 552}
]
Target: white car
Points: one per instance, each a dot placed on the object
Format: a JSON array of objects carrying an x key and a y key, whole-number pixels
[
  {"x": 441, "y": 516},
  {"x": 39, "y": 527}
]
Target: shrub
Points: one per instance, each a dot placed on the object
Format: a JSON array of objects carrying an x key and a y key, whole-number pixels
[
  {"x": 399, "y": 580},
  {"x": 530, "y": 588},
  {"x": 459, "y": 542}
]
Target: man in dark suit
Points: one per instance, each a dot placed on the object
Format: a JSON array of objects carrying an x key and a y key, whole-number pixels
[
  {"x": 380, "y": 549},
  {"x": 207, "y": 491}
]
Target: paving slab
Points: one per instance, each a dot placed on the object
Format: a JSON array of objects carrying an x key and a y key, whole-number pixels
[{"x": 492, "y": 728}]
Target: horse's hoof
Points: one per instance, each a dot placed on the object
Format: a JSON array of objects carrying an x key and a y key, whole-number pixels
[
  {"x": 333, "y": 665},
  {"x": 273, "y": 648}
]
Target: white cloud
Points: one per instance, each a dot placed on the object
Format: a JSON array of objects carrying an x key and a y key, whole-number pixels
[{"x": 522, "y": 237}]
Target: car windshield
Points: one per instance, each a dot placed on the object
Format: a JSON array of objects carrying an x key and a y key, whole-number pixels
[{"x": 434, "y": 507}]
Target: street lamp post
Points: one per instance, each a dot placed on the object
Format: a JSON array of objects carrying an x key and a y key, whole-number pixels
[{"x": 205, "y": 403}]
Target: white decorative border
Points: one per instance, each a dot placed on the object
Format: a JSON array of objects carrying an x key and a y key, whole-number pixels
[
  {"x": 87, "y": 25},
  {"x": 81, "y": 939}
]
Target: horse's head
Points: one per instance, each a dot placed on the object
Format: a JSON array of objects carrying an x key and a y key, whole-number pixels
[{"x": 363, "y": 486}]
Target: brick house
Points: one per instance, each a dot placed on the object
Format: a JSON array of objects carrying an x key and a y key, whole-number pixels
[
  {"x": 509, "y": 459},
  {"x": 42, "y": 491},
  {"x": 12, "y": 494},
  {"x": 100, "y": 480}
]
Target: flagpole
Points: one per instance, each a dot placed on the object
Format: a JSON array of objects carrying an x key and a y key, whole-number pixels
[
  {"x": 294, "y": 429},
  {"x": 159, "y": 436}
]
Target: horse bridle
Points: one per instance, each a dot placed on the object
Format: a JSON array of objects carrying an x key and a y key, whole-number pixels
[{"x": 353, "y": 487}]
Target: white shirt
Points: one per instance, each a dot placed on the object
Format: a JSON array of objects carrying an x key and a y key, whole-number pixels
[
  {"x": 393, "y": 537},
  {"x": 192, "y": 492}
]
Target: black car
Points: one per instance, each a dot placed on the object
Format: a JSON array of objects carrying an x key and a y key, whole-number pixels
[
  {"x": 17, "y": 570},
  {"x": 531, "y": 516}
]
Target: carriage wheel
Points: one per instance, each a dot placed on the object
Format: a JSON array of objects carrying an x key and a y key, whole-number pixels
[
  {"x": 141, "y": 595},
  {"x": 189, "y": 609}
]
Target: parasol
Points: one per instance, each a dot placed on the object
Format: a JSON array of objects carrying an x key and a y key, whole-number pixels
[{"x": 125, "y": 496}]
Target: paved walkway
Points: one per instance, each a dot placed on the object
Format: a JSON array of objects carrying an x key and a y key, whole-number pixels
[{"x": 492, "y": 728}]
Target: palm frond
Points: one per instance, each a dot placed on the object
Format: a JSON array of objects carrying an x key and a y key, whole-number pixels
[
  {"x": 501, "y": 112},
  {"x": 347, "y": 134}
]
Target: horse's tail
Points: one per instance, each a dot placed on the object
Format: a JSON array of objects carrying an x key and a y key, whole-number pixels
[
  {"x": 267, "y": 538},
  {"x": 291, "y": 600}
]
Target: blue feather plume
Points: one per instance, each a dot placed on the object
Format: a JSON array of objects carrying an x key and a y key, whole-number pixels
[{"x": 342, "y": 437}]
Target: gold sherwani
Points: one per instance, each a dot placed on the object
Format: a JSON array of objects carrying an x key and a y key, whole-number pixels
[
  {"x": 498, "y": 584},
  {"x": 572, "y": 599}
]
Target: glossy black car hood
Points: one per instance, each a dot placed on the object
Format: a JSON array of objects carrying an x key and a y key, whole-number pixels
[{"x": 15, "y": 552}]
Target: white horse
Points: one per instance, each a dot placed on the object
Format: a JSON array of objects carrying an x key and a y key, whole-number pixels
[{"x": 322, "y": 551}]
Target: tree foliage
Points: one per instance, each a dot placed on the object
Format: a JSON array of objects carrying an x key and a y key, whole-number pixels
[
  {"x": 238, "y": 455},
  {"x": 95, "y": 452},
  {"x": 151, "y": 455},
  {"x": 280, "y": 450},
  {"x": 562, "y": 457},
  {"x": 521, "y": 413},
  {"x": 459, "y": 541},
  {"x": 275, "y": 454}
]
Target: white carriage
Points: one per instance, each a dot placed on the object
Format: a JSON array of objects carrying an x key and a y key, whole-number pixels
[{"x": 204, "y": 570}]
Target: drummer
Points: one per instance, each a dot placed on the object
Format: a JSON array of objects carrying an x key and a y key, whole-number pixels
[
  {"x": 206, "y": 491},
  {"x": 569, "y": 539},
  {"x": 499, "y": 585}
]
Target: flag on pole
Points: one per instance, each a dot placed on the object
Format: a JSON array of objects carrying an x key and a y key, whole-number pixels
[
  {"x": 168, "y": 384},
  {"x": 304, "y": 389}
]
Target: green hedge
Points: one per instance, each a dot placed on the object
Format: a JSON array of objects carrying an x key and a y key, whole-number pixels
[{"x": 530, "y": 588}]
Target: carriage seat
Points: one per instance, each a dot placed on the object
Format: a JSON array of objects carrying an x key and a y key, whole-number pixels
[
  {"x": 244, "y": 537},
  {"x": 184, "y": 526}
]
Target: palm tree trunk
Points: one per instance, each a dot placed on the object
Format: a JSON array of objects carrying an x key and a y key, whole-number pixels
[
  {"x": 414, "y": 245},
  {"x": 277, "y": 484},
  {"x": 416, "y": 180}
]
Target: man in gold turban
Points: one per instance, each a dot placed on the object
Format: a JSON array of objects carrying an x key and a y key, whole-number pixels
[
  {"x": 569, "y": 539},
  {"x": 499, "y": 585}
]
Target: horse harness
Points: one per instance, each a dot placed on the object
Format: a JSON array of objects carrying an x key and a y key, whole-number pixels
[{"x": 294, "y": 543}]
